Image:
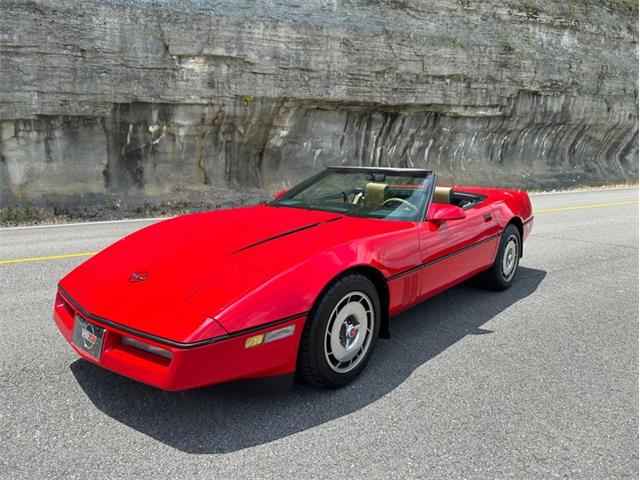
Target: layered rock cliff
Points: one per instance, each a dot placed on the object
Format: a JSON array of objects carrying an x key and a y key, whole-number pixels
[{"x": 140, "y": 99}]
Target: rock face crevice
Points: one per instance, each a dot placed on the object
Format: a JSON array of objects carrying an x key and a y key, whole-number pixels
[{"x": 137, "y": 99}]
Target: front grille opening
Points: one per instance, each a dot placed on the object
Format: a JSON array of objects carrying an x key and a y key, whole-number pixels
[
  {"x": 66, "y": 310},
  {"x": 146, "y": 350}
]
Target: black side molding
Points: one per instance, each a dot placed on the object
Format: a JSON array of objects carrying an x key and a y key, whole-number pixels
[{"x": 444, "y": 257}]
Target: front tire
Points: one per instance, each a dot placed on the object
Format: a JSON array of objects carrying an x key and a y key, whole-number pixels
[
  {"x": 340, "y": 333},
  {"x": 503, "y": 272}
]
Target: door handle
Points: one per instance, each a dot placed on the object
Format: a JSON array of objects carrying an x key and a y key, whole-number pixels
[{"x": 487, "y": 217}]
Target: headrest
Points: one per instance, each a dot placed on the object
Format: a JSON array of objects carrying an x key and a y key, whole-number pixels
[
  {"x": 375, "y": 193},
  {"x": 442, "y": 195}
]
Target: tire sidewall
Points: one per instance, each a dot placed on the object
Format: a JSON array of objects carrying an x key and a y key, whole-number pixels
[
  {"x": 510, "y": 231},
  {"x": 321, "y": 316}
]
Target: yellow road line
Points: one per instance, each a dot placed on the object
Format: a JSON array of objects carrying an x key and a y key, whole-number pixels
[
  {"x": 50, "y": 257},
  {"x": 536, "y": 212},
  {"x": 580, "y": 207}
]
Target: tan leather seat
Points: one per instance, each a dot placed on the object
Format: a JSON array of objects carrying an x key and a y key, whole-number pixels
[
  {"x": 375, "y": 193},
  {"x": 442, "y": 195}
]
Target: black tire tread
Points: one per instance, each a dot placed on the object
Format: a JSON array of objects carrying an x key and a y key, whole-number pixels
[
  {"x": 307, "y": 369},
  {"x": 492, "y": 278}
]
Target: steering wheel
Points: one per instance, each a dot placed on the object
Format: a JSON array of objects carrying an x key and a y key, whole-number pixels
[{"x": 402, "y": 201}]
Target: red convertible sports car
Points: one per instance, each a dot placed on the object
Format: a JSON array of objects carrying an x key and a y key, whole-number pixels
[{"x": 305, "y": 284}]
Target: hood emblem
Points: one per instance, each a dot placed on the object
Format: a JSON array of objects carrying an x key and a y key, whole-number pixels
[{"x": 138, "y": 277}]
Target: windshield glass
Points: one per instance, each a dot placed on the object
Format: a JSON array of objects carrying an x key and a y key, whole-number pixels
[{"x": 370, "y": 193}]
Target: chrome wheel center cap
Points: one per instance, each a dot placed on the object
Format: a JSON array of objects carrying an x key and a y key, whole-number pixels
[{"x": 349, "y": 332}]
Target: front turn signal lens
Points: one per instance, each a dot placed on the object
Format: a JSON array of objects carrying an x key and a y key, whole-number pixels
[{"x": 254, "y": 341}]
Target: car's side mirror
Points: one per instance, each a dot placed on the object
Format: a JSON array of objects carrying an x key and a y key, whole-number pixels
[
  {"x": 279, "y": 194},
  {"x": 444, "y": 213}
]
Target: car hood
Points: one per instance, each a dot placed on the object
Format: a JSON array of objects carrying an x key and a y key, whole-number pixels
[{"x": 191, "y": 265}]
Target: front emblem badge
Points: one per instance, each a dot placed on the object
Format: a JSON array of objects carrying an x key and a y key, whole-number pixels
[
  {"x": 89, "y": 337},
  {"x": 138, "y": 277}
]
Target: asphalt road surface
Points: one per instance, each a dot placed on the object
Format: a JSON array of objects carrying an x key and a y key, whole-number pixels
[{"x": 540, "y": 381}]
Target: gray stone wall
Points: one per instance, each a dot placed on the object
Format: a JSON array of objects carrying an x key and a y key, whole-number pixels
[{"x": 140, "y": 99}]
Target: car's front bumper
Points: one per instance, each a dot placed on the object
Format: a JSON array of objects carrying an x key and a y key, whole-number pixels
[{"x": 188, "y": 367}]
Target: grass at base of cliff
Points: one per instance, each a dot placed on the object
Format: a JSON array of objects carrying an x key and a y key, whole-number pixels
[
  {"x": 115, "y": 210},
  {"x": 29, "y": 215},
  {"x": 20, "y": 215},
  {"x": 573, "y": 9},
  {"x": 586, "y": 187},
  {"x": 181, "y": 202}
]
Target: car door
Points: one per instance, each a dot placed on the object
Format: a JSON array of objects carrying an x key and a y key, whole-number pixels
[{"x": 454, "y": 250}]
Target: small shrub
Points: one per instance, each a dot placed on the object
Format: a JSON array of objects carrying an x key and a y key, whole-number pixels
[
  {"x": 506, "y": 42},
  {"x": 246, "y": 100},
  {"x": 532, "y": 12},
  {"x": 629, "y": 7},
  {"x": 574, "y": 11},
  {"x": 531, "y": 9}
]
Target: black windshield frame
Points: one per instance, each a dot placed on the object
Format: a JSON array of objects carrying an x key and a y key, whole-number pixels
[{"x": 428, "y": 188}]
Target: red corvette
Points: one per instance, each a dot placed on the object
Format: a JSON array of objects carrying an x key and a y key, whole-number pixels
[{"x": 305, "y": 283}]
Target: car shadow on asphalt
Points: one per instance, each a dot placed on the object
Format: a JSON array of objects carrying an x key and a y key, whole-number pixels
[{"x": 226, "y": 418}]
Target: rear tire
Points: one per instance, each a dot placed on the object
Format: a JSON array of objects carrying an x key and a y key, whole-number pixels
[
  {"x": 503, "y": 272},
  {"x": 340, "y": 333}
]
